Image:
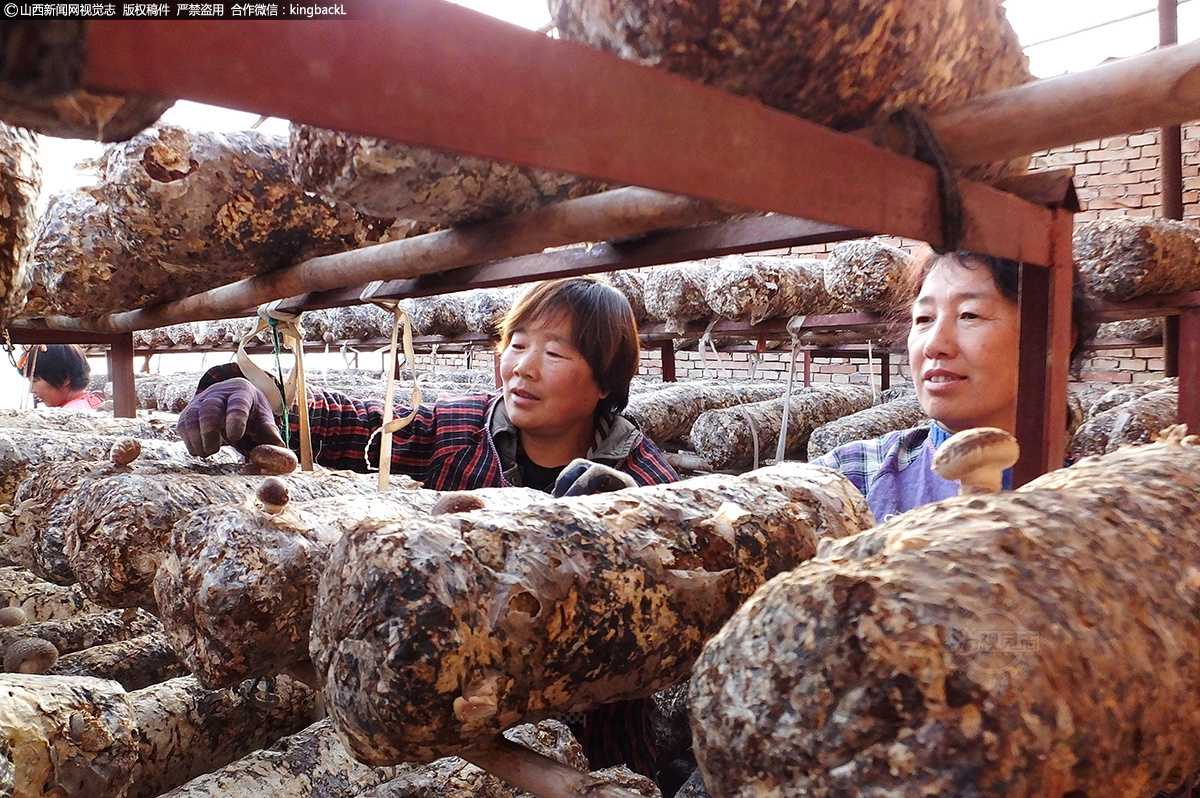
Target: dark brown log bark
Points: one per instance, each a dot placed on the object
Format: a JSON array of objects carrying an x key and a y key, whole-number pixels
[
  {"x": 1042, "y": 642},
  {"x": 675, "y": 294},
  {"x": 1139, "y": 420},
  {"x": 560, "y": 606},
  {"x": 135, "y": 663},
  {"x": 1118, "y": 396}
]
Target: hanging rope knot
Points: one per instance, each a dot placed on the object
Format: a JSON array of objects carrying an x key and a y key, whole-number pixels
[
  {"x": 281, "y": 391},
  {"x": 401, "y": 336},
  {"x": 921, "y": 142}
]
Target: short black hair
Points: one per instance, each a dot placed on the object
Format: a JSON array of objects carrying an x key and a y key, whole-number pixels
[{"x": 60, "y": 365}]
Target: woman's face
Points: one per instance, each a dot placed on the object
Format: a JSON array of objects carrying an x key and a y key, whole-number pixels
[
  {"x": 963, "y": 349},
  {"x": 549, "y": 389},
  {"x": 47, "y": 394}
]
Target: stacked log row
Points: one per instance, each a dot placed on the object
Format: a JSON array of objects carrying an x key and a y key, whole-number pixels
[
  {"x": 675, "y": 294},
  {"x": 843, "y": 66},
  {"x": 84, "y": 631},
  {"x": 443, "y": 314},
  {"x": 20, "y": 182},
  {"x": 898, "y": 414},
  {"x": 1137, "y": 421},
  {"x": 1130, "y": 330},
  {"x": 177, "y": 212},
  {"x": 88, "y": 738},
  {"x": 1123, "y": 258},
  {"x": 868, "y": 275},
  {"x": 359, "y": 323},
  {"x": 1125, "y": 393},
  {"x": 554, "y": 607},
  {"x": 118, "y": 524},
  {"x": 667, "y": 414},
  {"x": 484, "y": 309},
  {"x": 725, "y": 439},
  {"x": 632, "y": 287},
  {"x": 392, "y": 180},
  {"x": 1029, "y": 643},
  {"x": 755, "y": 288},
  {"x": 39, "y": 599},
  {"x": 57, "y": 419}
]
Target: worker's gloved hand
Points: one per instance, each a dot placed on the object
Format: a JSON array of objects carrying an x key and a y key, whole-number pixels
[
  {"x": 231, "y": 411},
  {"x": 583, "y": 478}
]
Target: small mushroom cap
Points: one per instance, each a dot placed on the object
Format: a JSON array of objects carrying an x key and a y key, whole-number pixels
[
  {"x": 125, "y": 450},
  {"x": 459, "y": 501},
  {"x": 967, "y": 451},
  {"x": 274, "y": 493},
  {"x": 273, "y": 459},
  {"x": 12, "y": 616},
  {"x": 30, "y": 655}
]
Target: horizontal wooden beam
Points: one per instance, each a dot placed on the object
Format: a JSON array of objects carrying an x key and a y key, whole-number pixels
[{"x": 430, "y": 73}]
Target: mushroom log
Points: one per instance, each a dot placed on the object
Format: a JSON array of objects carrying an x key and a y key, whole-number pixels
[
  {"x": 1039, "y": 642},
  {"x": 437, "y": 634}
]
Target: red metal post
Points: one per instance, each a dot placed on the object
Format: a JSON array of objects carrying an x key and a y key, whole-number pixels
[{"x": 1189, "y": 368}]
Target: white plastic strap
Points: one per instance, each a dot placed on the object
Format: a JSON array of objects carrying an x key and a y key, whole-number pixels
[
  {"x": 753, "y": 434},
  {"x": 400, "y": 321},
  {"x": 871, "y": 373},
  {"x": 293, "y": 386},
  {"x": 707, "y": 339}
]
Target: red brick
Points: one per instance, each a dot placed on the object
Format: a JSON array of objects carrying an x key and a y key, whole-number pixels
[
  {"x": 1121, "y": 141},
  {"x": 1142, "y": 139},
  {"x": 1105, "y": 376},
  {"x": 1113, "y": 167}
]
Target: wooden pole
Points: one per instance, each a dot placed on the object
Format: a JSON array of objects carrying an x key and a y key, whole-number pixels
[
  {"x": 1146, "y": 91},
  {"x": 1171, "y": 168},
  {"x": 1189, "y": 368},
  {"x": 120, "y": 371}
]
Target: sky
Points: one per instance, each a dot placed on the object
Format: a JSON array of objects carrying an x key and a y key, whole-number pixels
[{"x": 1052, "y": 32}]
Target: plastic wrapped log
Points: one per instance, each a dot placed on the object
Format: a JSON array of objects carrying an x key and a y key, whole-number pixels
[
  {"x": 632, "y": 287},
  {"x": 84, "y": 631},
  {"x": 725, "y": 439},
  {"x": 118, "y": 525},
  {"x": 668, "y": 414},
  {"x": 559, "y": 606},
  {"x": 752, "y": 289},
  {"x": 134, "y": 663},
  {"x": 177, "y": 212},
  {"x": 45, "y": 501},
  {"x": 443, "y": 314},
  {"x": 57, "y": 419},
  {"x": 897, "y": 414},
  {"x": 385, "y": 178},
  {"x": 1137, "y": 421},
  {"x": 20, "y": 182},
  {"x": 484, "y": 309},
  {"x": 1119, "y": 396},
  {"x": 843, "y": 66},
  {"x": 359, "y": 323},
  {"x": 68, "y": 736},
  {"x": 868, "y": 275},
  {"x": 1123, "y": 258},
  {"x": 78, "y": 736},
  {"x": 1042, "y": 642},
  {"x": 186, "y": 730},
  {"x": 22, "y": 450},
  {"x": 675, "y": 294},
  {"x": 1130, "y": 330},
  {"x": 235, "y": 585},
  {"x": 42, "y": 600}
]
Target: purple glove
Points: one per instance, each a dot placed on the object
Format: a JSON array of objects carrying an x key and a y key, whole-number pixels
[
  {"x": 231, "y": 411},
  {"x": 582, "y": 477}
]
